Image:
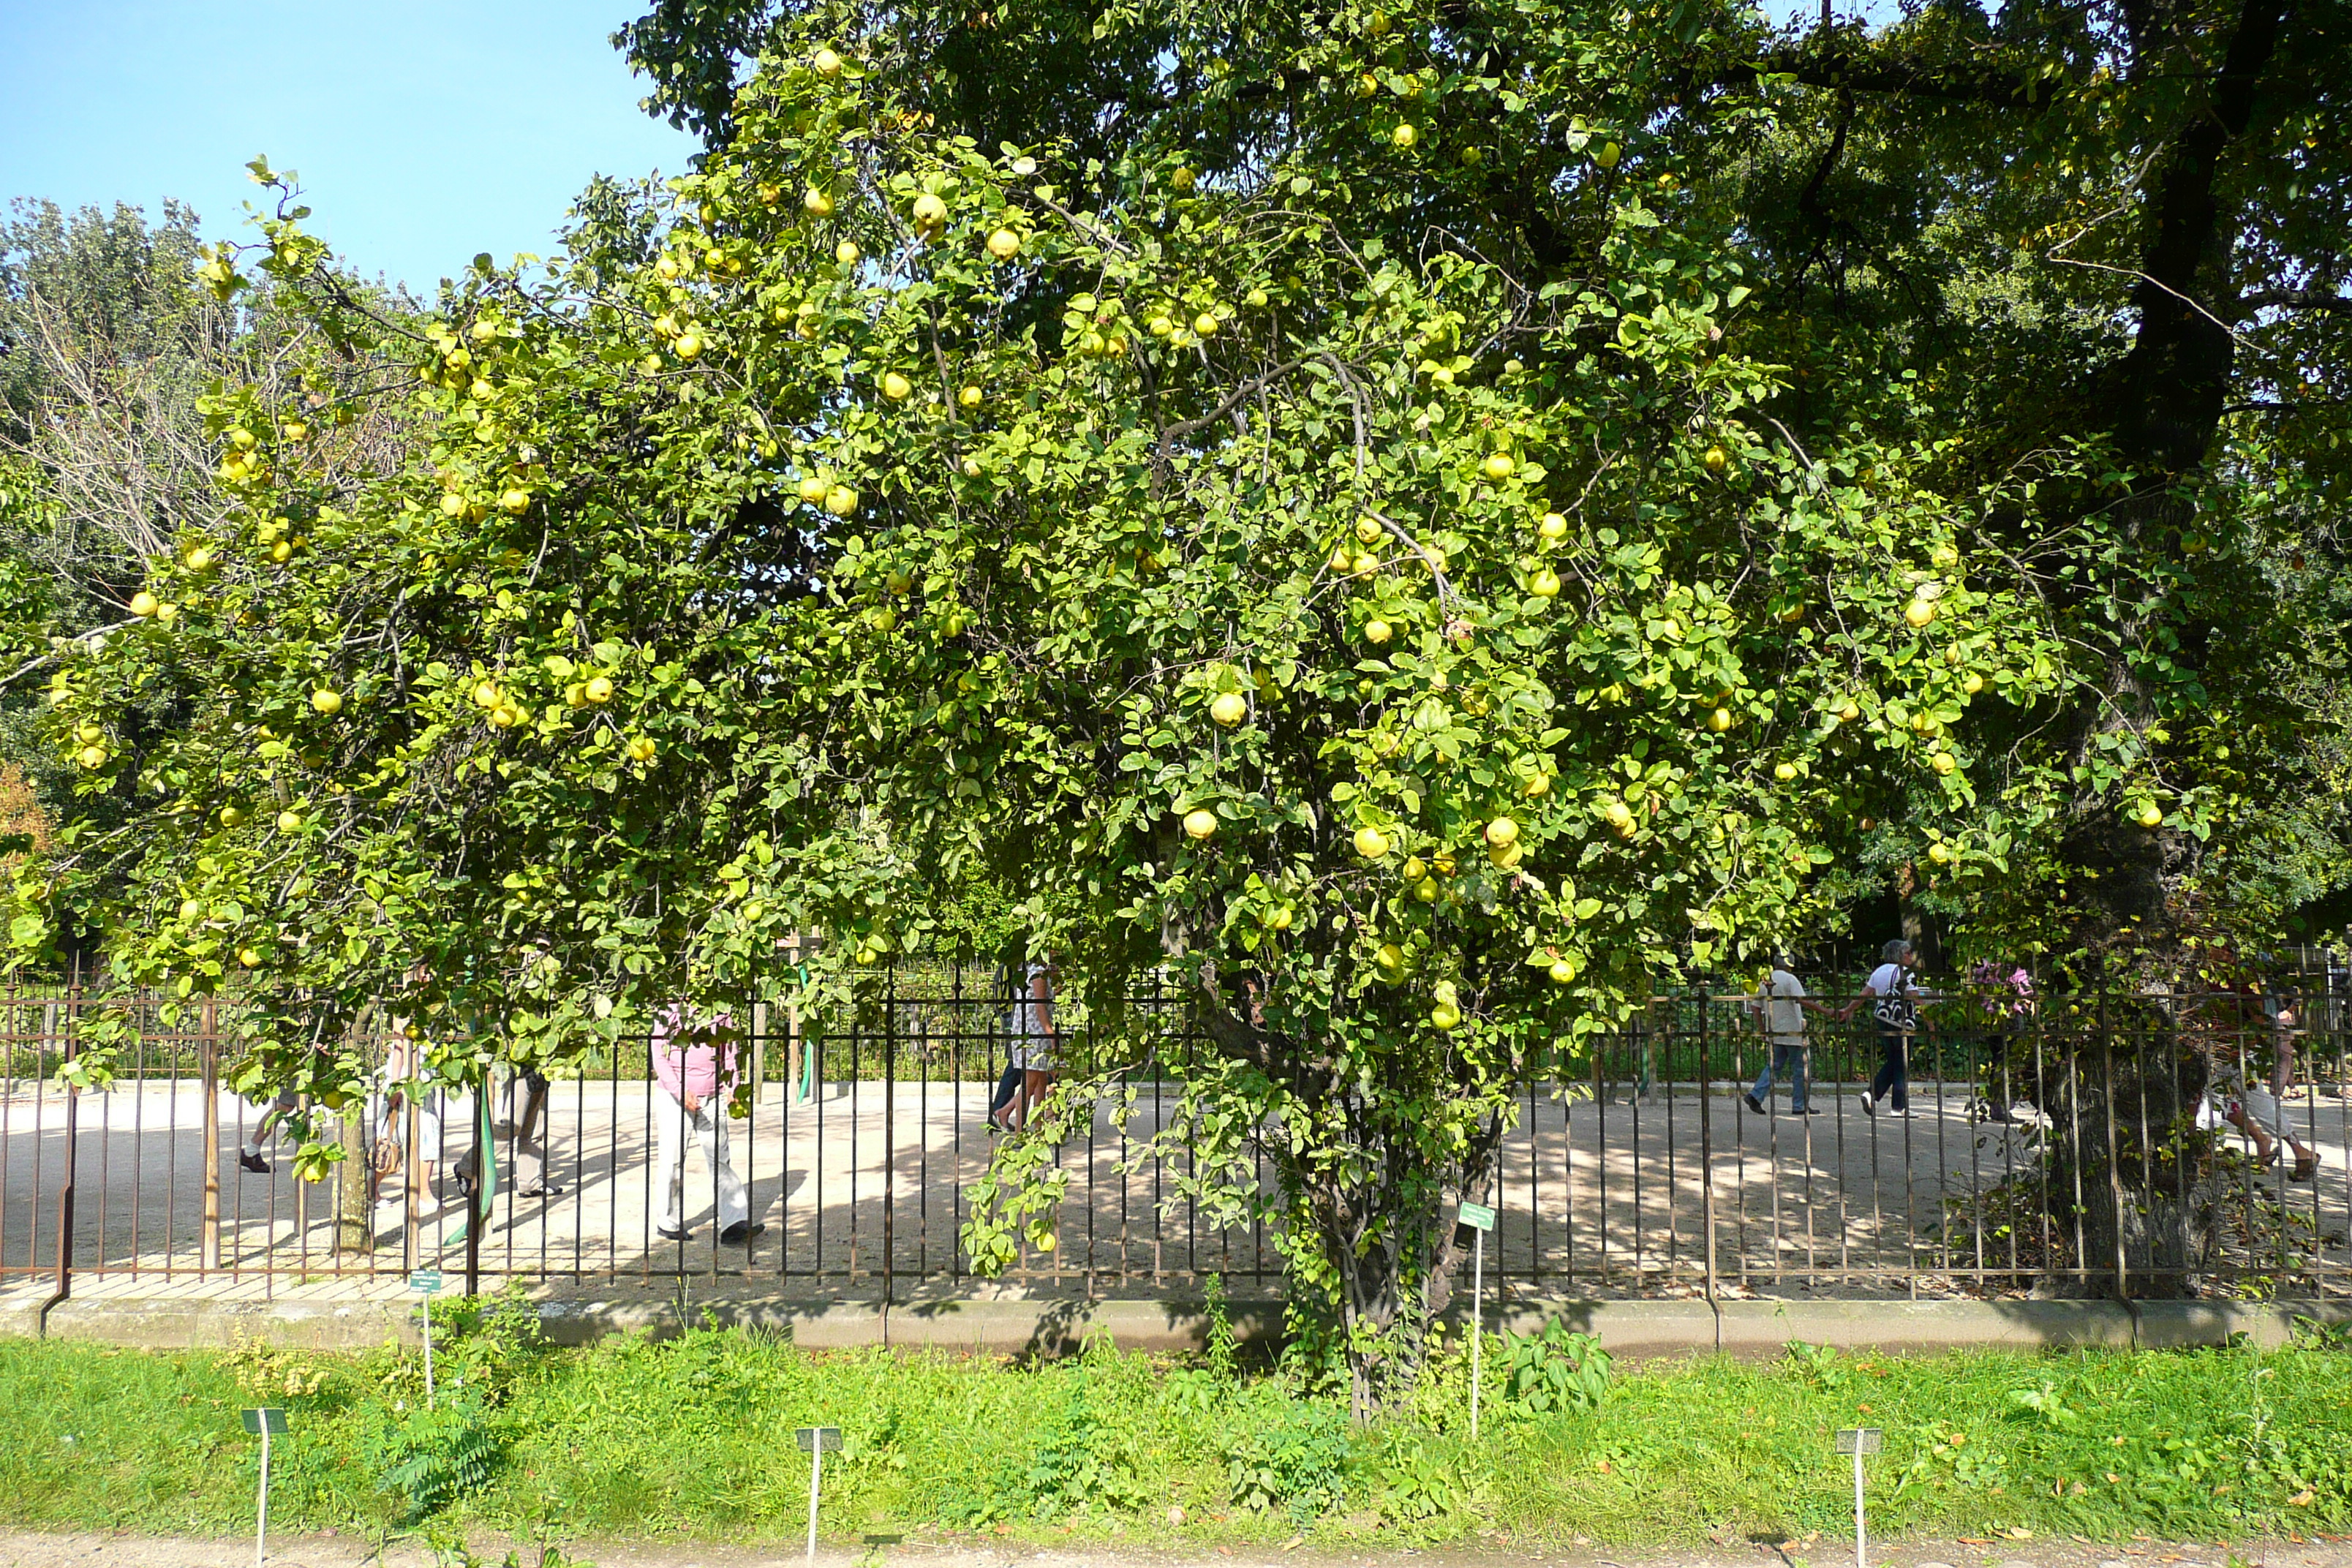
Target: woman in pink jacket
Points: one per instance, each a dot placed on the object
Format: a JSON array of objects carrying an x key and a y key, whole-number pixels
[{"x": 695, "y": 1063}]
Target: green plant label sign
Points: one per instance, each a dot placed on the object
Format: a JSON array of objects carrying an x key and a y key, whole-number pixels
[
  {"x": 1858, "y": 1440},
  {"x": 819, "y": 1439},
  {"x": 269, "y": 1419},
  {"x": 427, "y": 1280},
  {"x": 1478, "y": 1216}
]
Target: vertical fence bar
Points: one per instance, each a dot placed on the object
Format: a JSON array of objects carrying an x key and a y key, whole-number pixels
[
  {"x": 956, "y": 1119},
  {"x": 1601, "y": 1082},
  {"x": 2114, "y": 1171},
  {"x": 1845, "y": 1225},
  {"x": 925, "y": 1050},
  {"x": 138, "y": 1142},
  {"x": 209, "y": 1245},
  {"x": 817, "y": 1041},
  {"x": 71, "y": 1044},
  {"x": 50, "y": 1027},
  {"x": 12, "y": 1014},
  {"x": 1707, "y": 1150}
]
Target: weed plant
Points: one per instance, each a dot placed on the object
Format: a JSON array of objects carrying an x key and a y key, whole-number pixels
[{"x": 694, "y": 1435}]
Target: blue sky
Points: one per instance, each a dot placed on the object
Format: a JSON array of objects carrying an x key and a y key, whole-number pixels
[{"x": 424, "y": 132}]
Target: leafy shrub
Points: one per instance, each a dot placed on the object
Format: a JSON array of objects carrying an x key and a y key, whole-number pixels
[
  {"x": 1193, "y": 1394},
  {"x": 268, "y": 1373},
  {"x": 2316, "y": 1334},
  {"x": 1297, "y": 1462},
  {"x": 1083, "y": 1467},
  {"x": 483, "y": 1346},
  {"x": 2045, "y": 1402},
  {"x": 1556, "y": 1369},
  {"x": 1222, "y": 1361},
  {"x": 452, "y": 1551},
  {"x": 422, "y": 1461},
  {"x": 489, "y": 1342},
  {"x": 1414, "y": 1482},
  {"x": 1818, "y": 1365}
]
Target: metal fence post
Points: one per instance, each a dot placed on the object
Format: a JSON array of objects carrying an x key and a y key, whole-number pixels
[
  {"x": 795, "y": 1047},
  {"x": 208, "y": 1249},
  {"x": 1707, "y": 1161},
  {"x": 482, "y": 1202},
  {"x": 2115, "y": 1167},
  {"x": 65, "y": 1190},
  {"x": 412, "y": 1174}
]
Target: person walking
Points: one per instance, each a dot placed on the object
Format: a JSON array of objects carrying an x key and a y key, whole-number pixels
[
  {"x": 1011, "y": 979},
  {"x": 1895, "y": 1007},
  {"x": 2262, "y": 1118},
  {"x": 2006, "y": 1004},
  {"x": 527, "y": 1132},
  {"x": 2283, "y": 1005},
  {"x": 1780, "y": 1005},
  {"x": 1036, "y": 1049},
  {"x": 400, "y": 1089},
  {"x": 248, "y": 1153},
  {"x": 695, "y": 1063}
]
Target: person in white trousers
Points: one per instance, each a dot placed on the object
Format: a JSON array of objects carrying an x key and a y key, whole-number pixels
[{"x": 694, "y": 1062}]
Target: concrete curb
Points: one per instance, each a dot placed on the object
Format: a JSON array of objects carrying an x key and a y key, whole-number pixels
[
  {"x": 1032, "y": 1326},
  {"x": 962, "y": 1325},
  {"x": 165, "y": 1322}
]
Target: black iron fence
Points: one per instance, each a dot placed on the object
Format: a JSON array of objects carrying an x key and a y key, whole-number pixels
[{"x": 2153, "y": 1142}]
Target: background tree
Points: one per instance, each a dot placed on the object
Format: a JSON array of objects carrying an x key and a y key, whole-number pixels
[{"x": 2108, "y": 244}]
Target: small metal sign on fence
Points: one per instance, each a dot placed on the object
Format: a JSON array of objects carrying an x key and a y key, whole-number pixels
[
  {"x": 816, "y": 1442},
  {"x": 1480, "y": 1218},
  {"x": 265, "y": 1422},
  {"x": 1858, "y": 1441},
  {"x": 427, "y": 1283}
]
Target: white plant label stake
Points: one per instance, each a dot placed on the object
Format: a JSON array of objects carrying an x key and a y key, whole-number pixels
[
  {"x": 1858, "y": 1441},
  {"x": 1480, "y": 1218},
  {"x": 427, "y": 1283},
  {"x": 262, "y": 1423},
  {"x": 815, "y": 1442}
]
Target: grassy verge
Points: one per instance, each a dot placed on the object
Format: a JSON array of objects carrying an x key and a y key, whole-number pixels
[{"x": 695, "y": 1436}]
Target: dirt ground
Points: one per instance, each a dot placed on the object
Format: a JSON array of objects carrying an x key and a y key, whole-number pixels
[{"x": 17, "y": 1551}]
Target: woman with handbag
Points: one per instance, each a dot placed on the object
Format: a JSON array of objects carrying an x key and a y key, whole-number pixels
[{"x": 1894, "y": 1007}]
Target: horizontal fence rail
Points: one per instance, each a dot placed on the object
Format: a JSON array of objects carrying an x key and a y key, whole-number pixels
[{"x": 2159, "y": 1144}]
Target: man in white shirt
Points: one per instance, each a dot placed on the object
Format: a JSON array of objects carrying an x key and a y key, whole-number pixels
[{"x": 1781, "y": 1006}]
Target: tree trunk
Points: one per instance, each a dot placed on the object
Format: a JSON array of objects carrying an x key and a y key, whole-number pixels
[
  {"x": 354, "y": 1208},
  {"x": 1394, "y": 1258},
  {"x": 2148, "y": 1192},
  {"x": 2166, "y": 399},
  {"x": 2125, "y": 1102}
]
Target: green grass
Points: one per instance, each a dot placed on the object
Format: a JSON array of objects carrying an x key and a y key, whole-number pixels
[{"x": 695, "y": 1436}]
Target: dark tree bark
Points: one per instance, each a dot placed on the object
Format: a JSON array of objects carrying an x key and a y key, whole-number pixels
[{"x": 2165, "y": 402}]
